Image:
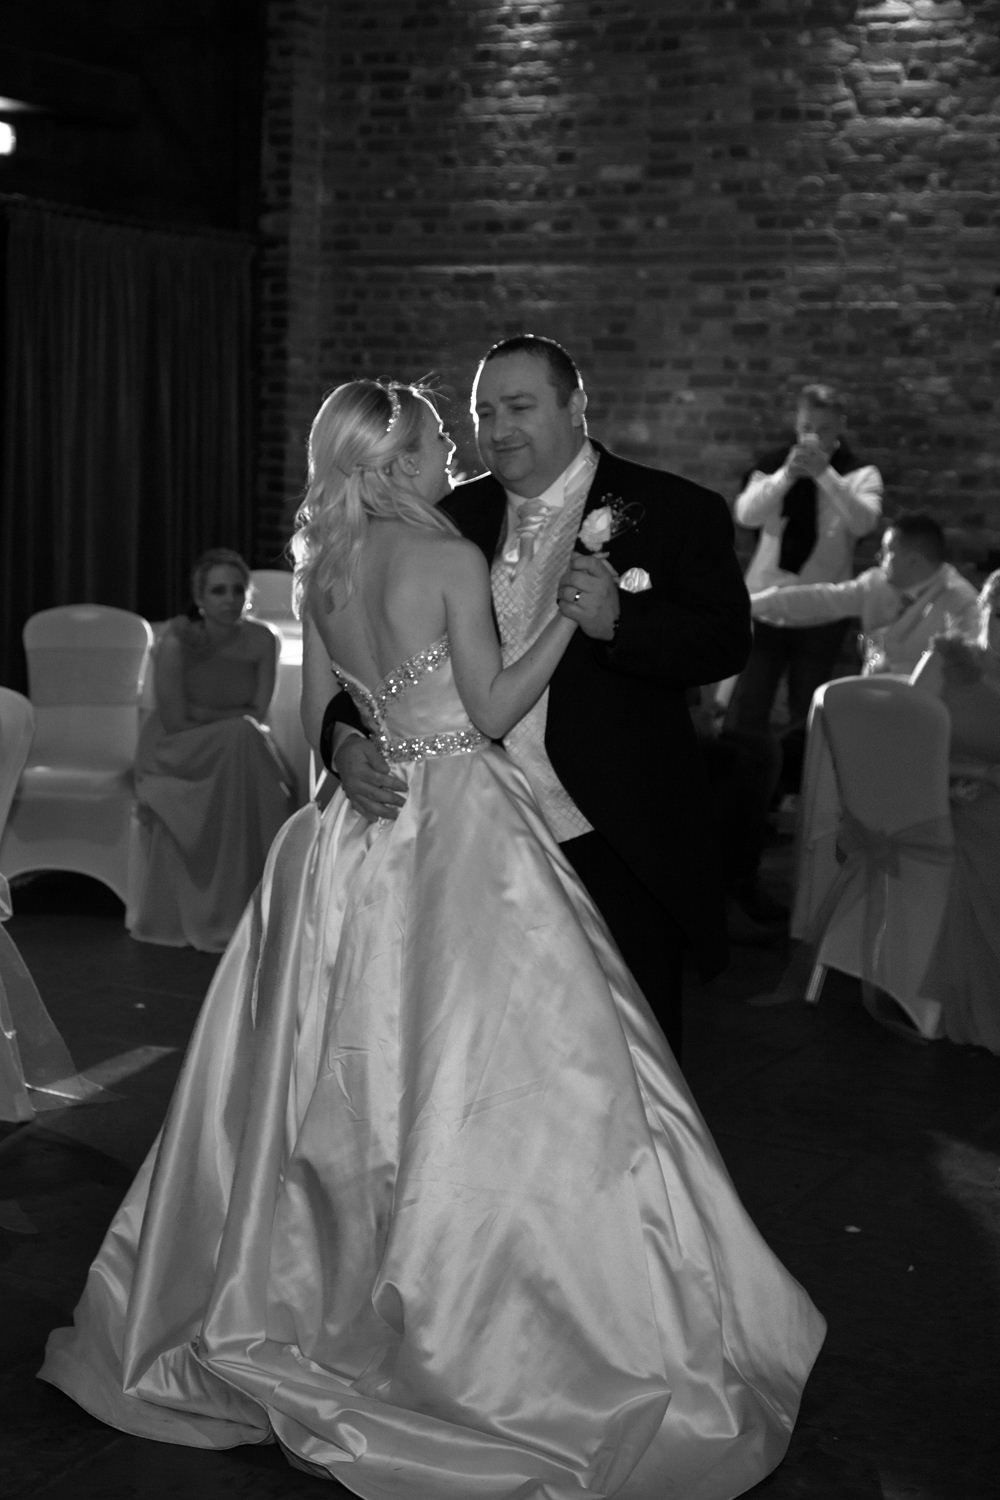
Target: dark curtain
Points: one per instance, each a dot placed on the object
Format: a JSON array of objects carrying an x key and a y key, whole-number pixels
[{"x": 126, "y": 414}]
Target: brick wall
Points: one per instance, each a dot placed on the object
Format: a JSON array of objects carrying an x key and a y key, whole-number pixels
[
  {"x": 708, "y": 201},
  {"x": 292, "y": 261}
]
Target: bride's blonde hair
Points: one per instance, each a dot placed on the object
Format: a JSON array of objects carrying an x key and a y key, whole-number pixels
[{"x": 357, "y": 437}]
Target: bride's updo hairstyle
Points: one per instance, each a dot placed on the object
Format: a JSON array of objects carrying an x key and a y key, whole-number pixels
[{"x": 357, "y": 437}]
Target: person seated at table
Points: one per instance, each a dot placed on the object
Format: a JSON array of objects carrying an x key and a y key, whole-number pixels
[
  {"x": 911, "y": 595},
  {"x": 964, "y": 972},
  {"x": 212, "y": 787}
]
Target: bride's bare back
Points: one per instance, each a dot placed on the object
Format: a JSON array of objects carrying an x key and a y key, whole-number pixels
[
  {"x": 413, "y": 587},
  {"x": 398, "y": 603}
]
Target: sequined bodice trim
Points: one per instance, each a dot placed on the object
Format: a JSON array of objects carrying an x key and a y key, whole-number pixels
[{"x": 372, "y": 705}]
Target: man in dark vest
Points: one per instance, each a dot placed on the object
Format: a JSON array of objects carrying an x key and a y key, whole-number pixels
[{"x": 809, "y": 503}]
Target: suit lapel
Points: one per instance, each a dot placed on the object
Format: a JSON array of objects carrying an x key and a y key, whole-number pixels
[
  {"x": 613, "y": 482},
  {"x": 598, "y": 493}
]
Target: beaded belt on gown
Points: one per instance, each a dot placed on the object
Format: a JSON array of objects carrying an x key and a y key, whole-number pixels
[{"x": 422, "y": 747}]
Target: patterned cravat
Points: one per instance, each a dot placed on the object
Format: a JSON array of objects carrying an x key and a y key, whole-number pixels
[{"x": 531, "y": 522}]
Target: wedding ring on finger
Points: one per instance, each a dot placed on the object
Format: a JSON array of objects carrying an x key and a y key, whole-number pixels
[{"x": 577, "y": 596}]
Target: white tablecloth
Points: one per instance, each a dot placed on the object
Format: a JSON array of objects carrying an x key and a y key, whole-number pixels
[{"x": 283, "y": 715}]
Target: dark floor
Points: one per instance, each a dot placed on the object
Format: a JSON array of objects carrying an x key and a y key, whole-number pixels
[{"x": 870, "y": 1163}]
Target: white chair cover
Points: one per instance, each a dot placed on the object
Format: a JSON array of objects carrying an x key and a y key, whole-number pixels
[
  {"x": 271, "y": 594},
  {"x": 36, "y": 1070},
  {"x": 271, "y": 602},
  {"x": 874, "y": 852},
  {"x": 17, "y": 728},
  {"x": 72, "y": 809}
]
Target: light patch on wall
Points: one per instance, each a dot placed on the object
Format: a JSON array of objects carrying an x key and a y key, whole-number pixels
[
  {"x": 8, "y": 139},
  {"x": 898, "y": 12}
]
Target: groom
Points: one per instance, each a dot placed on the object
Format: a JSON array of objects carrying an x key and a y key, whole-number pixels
[{"x": 644, "y": 561}]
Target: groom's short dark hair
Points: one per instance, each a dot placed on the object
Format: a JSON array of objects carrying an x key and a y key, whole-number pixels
[{"x": 563, "y": 370}]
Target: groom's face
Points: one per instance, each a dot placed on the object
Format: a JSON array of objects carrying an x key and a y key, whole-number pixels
[{"x": 526, "y": 438}]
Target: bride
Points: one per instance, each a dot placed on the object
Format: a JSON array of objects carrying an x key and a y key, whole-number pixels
[{"x": 432, "y": 1206}]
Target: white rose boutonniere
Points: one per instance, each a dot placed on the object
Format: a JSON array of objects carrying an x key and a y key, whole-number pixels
[
  {"x": 607, "y": 520},
  {"x": 595, "y": 533}
]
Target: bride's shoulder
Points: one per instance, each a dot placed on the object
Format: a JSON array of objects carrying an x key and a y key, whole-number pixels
[{"x": 441, "y": 550}]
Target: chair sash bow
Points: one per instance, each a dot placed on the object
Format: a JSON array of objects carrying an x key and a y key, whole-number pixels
[{"x": 870, "y": 858}]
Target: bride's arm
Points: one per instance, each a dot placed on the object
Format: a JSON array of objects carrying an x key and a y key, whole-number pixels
[{"x": 494, "y": 696}]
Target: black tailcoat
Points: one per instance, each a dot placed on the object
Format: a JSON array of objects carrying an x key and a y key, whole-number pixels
[{"x": 618, "y": 729}]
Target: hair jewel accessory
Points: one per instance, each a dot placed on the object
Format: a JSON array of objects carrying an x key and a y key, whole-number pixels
[{"x": 394, "y": 404}]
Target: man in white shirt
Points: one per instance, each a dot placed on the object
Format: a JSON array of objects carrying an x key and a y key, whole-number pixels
[
  {"x": 810, "y": 502},
  {"x": 911, "y": 596}
]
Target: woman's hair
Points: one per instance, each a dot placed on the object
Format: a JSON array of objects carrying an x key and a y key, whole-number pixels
[
  {"x": 360, "y": 431},
  {"x": 989, "y": 600},
  {"x": 215, "y": 557}
]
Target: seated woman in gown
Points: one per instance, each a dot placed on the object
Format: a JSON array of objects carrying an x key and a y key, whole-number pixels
[
  {"x": 433, "y": 1206},
  {"x": 964, "y": 973},
  {"x": 212, "y": 787}
]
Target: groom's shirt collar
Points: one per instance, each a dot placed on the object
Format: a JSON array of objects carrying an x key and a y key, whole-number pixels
[{"x": 555, "y": 496}]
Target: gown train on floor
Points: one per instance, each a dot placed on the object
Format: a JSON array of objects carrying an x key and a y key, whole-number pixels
[{"x": 433, "y": 1205}]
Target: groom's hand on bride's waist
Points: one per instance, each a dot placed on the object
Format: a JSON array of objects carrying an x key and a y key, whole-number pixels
[{"x": 369, "y": 785}]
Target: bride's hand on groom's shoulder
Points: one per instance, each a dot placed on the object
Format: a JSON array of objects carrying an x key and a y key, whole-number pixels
[
  {"x": 588, "y": 594},
  {"x": 369, "y": 785}
]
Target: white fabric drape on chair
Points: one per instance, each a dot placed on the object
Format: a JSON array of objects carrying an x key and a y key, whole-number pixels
[{"x": 874, "y": 851}]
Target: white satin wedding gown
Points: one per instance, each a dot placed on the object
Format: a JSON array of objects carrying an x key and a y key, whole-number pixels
[{"x": 432, "y": 1205}]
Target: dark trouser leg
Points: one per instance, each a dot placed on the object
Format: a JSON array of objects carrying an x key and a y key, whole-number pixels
[
  {"x": 753, "y": 697},
  {"x": 743, "y": 770},
  {"x": 813, "y": 662},
  {"x": 650, "y": 941}
]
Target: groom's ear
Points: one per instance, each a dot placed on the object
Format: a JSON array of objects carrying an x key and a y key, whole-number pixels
[{"x": 577, "y": 407}]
